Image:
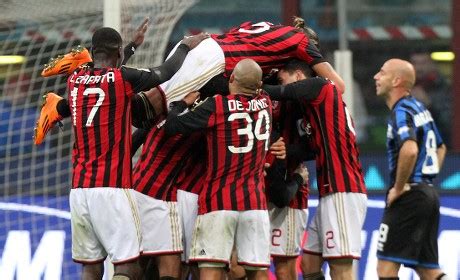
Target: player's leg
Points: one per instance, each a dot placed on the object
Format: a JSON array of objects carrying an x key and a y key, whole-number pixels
[
  {"x": 161, "y": 233},
  {"x": 428, "y": 267},
  {"x": 236, "y": 271},
  {"x": 169, "y": 266},
  {"x": 388, "y": 268},
  {"x": 92, "y": 271},
  {"x": 312, "y": 260},
  {"x": 256, "y": 273},
  {"x": 284, "y": 267},
  {"x": 187, "y": 205},
  {"x": 401, "y": 240},
  {"x": 428, "y": 273},
  {"x": 253, "y": 243},
  {"x": 311, "y": 267},
  {"x": 127, "y": 270},
  {"x": 86, "y": 248},
  {"x": 211, "y": 271},
  {"x": 287, "y": 228},
  {"x": 341, "y": 269},
  {"x": 342, "y": 224},
  {"x": 212, "y": 242},
  {"x": 121, "y": 234}
]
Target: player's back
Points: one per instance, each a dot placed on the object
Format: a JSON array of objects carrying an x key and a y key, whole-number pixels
[
  {"x": 101, "y": 117},
  {"x": 271, "y": 46},
  {"x": 237, "y": 143},
  {"x": 410, "y": 119},
  {"x": 161, "y": 161},
  {"x": 334, "y": 138}
]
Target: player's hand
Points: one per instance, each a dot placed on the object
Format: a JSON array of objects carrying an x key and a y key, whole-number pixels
[
  {"x": 266, "y": 166},
  {"x": 395, "y": 193},
  {"x": 278, "y": 149},
  {"x": 190, "y": 98},
  {"x": 302, "y": 171},
  {"x": 195, "y": 40},
  {"x": 139, "y": 35}
]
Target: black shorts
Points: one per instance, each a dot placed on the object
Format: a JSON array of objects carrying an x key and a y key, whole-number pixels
[{"x": 409, "y": 229}]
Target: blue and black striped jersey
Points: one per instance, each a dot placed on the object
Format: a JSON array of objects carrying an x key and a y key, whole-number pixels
[{"x": 410, "y": 120}]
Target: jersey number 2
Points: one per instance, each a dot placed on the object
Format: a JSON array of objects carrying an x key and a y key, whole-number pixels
[{"x": 93, "y": 111}]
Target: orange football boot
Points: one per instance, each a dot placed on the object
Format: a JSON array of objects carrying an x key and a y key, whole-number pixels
[
  {"x": 49, "y": 116},
  {"x": 66, "y": 64}
]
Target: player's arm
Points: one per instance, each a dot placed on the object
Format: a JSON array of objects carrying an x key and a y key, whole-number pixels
[
  {"x": 324, "y": 69},
  {"x": 138, "y": 39},
  {"x": 441, "y": 153},
  {"x": 146, "y": 79},
  {"x": 308, "y": 89},
  {"x": 300, "y": 152},
  {"x": 309, "y": 52},
  {"x": 441, "y": 147},
  {"x": 406, "y": 162},
  {"x": 408, "y": 152},
  {"x": 281, "y": 190},
  {"x": 198, "y": 118}
]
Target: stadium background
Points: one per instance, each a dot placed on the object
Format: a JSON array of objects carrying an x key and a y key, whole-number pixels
[{"x": 34, "y": 181}]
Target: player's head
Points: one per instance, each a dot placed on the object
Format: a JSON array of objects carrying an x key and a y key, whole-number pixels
[
  {"x": 396, "y": 75},
  {"x": 246, "y": 78},
  {"x": 294, "y": 70},
  {"x": 106, "y": 44},
  {"x": 299, "y": 23}
]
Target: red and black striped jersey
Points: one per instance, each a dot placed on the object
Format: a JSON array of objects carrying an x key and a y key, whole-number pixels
[
  {"x": 160, "y": 162},
  {"x": 337, "y": 157},
  {"x": 100, "y": 105},
  {"x": 191, "y": 177},
  {"x": 271, "y": 46},
  {"x": 237, "y": 136}
]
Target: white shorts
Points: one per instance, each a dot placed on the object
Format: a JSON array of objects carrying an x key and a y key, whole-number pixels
[
  {"x": 200, "y": 65},
  {"x": 216, "y": 232},
  {"x": 287, "y": 227},
  {"x": 161, "y": 226},
  {"x": 187, "y": 203},
  {"x": 335, "y": 231},
  {"x": 105, "y": 221}
]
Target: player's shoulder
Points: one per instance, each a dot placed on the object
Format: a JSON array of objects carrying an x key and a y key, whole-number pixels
[
  {"x": 125, "y": 68},
  {"x": 408, "y": 104}
]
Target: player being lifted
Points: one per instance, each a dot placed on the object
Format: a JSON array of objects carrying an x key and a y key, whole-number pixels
[{"x": 269, "y": 45}]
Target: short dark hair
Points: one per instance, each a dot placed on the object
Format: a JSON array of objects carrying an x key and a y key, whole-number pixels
[
  {"x": 106, "y": 40},
  {"x": 297, "y": 64}
]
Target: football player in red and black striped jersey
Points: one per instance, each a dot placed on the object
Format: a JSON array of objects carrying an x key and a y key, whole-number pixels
[
  {"x": 100, "y": 106},
  {"x": 237, "y": 135},
  {"x": 334, "y": 234}
]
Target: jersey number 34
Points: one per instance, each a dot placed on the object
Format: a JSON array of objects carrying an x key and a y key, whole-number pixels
[{"x": 259, "y": 132}]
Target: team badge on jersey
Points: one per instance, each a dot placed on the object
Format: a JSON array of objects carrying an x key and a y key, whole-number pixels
[{"x": 303, "y": 127}]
